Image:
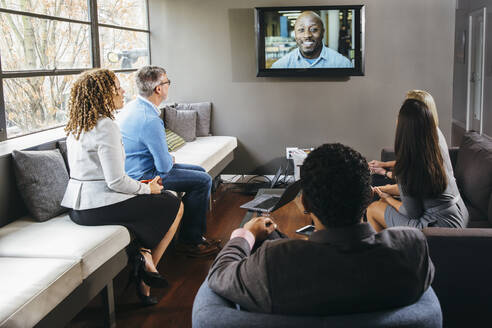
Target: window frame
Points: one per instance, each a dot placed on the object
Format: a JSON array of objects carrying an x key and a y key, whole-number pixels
[{"x": 93, "y": 23}]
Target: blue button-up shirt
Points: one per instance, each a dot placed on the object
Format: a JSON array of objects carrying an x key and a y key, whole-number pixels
[
  {"x": 328, "y": 58},
  {"x": 144, "y": 139}
]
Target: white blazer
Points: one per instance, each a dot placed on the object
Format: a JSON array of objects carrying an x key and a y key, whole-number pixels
[{"x": 97, "y": 169}]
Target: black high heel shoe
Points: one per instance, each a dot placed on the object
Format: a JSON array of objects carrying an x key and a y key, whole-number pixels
[
  {"x": 152, "y": 279},
  {"x": 146, "y": 300},
  {"x": 135, "y": 278}
]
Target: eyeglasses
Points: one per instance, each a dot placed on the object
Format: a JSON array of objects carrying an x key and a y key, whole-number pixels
[{"x": 163, "y": 83}]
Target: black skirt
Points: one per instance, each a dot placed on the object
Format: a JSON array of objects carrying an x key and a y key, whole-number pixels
[{"x": 148, "y": 217}]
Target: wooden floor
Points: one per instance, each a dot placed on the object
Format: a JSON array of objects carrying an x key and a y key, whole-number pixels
[{"x": 185, "y": 275}]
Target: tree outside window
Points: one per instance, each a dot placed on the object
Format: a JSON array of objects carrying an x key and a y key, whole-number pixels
[{"x": 44, "y": 45}]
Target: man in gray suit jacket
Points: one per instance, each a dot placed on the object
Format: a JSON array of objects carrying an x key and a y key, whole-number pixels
[{"x": 344, "y": 267}]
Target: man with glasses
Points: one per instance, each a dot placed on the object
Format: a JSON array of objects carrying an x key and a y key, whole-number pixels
[{"x": 147, "y": 156}]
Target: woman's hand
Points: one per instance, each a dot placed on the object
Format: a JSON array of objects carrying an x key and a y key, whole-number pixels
[
  {"x": 391, "y": 189},
  {"x": 156, "y": 185},
  {"x": 377, "y": 167},
  {"x": 377, "y": 170},
  {"x": 384, "y": 196},
  {"x": 376, "y": 164}
]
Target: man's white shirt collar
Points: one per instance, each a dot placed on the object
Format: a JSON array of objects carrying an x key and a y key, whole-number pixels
[{"x": 149, "y": 102}]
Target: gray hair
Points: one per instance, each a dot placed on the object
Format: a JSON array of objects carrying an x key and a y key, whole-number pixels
[{"x": 148, "y": 78}]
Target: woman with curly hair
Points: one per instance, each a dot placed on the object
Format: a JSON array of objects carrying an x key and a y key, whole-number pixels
[
  {"x": 426, "y": 185},
  {"x": 100, "y": 193}
]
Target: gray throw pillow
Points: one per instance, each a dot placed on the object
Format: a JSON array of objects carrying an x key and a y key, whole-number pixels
[
  {"x": 42, "y": 179},
  {"x": 203, "y": 110},
  {"x": 62, "y": 146},
  {"x": 182, "y": 122}
]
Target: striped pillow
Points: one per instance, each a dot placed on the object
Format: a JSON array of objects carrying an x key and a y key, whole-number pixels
[{"x": 174, "y": 141}]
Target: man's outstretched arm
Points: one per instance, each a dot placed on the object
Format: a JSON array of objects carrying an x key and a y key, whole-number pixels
[{"x": 240, "y": 276}]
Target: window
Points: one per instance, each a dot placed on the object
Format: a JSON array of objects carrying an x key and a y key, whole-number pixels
[{"x": 44, "y": 45}]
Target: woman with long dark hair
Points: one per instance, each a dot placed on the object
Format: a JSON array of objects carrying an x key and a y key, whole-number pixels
[
  {"x": 99, "y": 191},
  {"x": 429, "y": 195}
]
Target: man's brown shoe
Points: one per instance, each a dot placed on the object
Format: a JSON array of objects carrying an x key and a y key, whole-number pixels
[{"x": 198, "y": 250}]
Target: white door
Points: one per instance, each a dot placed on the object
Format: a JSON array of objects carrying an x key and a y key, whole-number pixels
[{"x": 476, "y": 50}]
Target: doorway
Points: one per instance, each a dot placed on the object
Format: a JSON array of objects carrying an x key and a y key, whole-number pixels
[{"x": 476, "y": 49}]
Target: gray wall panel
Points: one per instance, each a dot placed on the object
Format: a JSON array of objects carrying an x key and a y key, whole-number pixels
[{"x": 208, "y": 49}]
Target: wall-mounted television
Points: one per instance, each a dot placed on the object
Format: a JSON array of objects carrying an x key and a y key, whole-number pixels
[{"x": 310, "y": 40}]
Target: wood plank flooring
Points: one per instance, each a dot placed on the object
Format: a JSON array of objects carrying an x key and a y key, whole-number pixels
[{"x": 185, "y": 275}]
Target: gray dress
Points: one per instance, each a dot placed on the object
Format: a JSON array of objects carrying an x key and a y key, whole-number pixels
[{"x": 446, "y": 210}]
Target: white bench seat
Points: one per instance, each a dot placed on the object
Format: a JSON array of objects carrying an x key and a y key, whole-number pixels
[
  {"x": 60, "y": 238},
  {"x": 206, "y": 152},
  {"x": 31, "y": 287}
]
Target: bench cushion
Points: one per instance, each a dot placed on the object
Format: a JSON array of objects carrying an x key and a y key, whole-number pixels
[
  {"x": 61, "y": 238},
  {"x": 206, "y": 152},
  {"x": 30, "y": 288}
]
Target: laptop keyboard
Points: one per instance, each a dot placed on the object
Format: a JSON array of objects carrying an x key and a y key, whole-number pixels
[{"x": 266, "y": 204}]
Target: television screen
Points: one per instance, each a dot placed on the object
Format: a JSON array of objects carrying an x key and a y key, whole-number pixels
[{"x": 310, "y": 41}]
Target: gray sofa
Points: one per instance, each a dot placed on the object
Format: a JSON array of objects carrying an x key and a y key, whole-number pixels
[
  {"x": 461, "y": 256},
  {"x": 212, "y": 311}
]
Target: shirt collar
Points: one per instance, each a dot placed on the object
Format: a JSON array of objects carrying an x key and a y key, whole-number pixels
[
  {"x": 323, "y": 55},
  {"x": 148, "y": 102},
  {"x": 343, "y": 235}
]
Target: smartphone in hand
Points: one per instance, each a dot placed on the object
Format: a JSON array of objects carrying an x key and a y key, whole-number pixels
[{"x": 306, "y": 230}]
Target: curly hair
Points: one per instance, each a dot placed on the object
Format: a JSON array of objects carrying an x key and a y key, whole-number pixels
[
  {"x": 336, "y": 185},
  {"x": 91, "y": 98}
]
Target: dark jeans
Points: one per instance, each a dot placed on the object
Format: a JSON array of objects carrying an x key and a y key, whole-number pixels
[{"x": 196, "y": 183}]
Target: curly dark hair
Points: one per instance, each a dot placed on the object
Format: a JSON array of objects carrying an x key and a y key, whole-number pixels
[
  {"x": 336, "y": 184},
  {"x": 91, "y": 98}
]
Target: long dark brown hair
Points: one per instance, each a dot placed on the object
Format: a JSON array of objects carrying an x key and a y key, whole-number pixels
[{"x": 419, "y": 165}]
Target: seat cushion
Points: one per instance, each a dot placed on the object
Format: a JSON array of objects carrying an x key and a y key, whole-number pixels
[
  {"x": 206, "y": 152},
  {"x": 61, "y": 238},
  {"x": 31, "y": 287},
  {"x": 474, "y": 174}
]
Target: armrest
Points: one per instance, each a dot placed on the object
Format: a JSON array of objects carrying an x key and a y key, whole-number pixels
[
  {"x": 453, "y": 155},
  {"x": 387, "y": 154},
  {"x": 463, "y": 271}
]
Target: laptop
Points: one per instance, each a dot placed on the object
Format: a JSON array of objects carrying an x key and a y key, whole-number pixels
[{"x": 267, "y": 203}]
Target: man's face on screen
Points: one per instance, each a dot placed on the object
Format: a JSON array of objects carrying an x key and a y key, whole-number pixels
[{"x": 309, "y": 32}]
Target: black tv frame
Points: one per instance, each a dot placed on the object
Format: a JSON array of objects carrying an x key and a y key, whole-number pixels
[{"x": 359, "y": 25}]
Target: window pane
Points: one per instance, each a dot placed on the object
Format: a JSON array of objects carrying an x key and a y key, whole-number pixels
[
  {"x": 123, "y": 49},
  {"x": 37, "y": 103},
  {"x": 28, "y": 43},
  {"x": 129, "y": 13},
  {"x": 74, "y": 9},
  {"x": 127, "y": 81}
]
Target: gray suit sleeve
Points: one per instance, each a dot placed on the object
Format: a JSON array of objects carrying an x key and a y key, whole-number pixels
[{"x": 240, "y": 277}]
